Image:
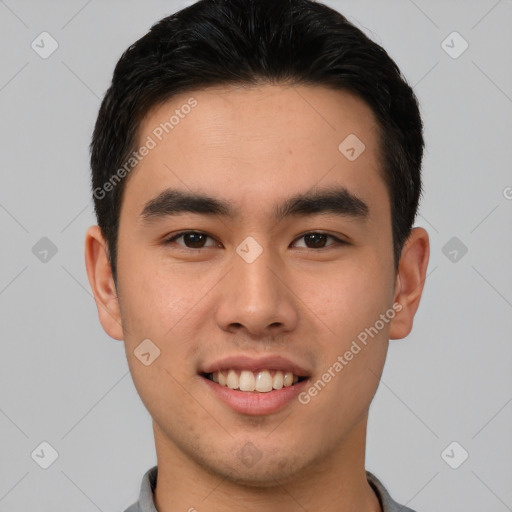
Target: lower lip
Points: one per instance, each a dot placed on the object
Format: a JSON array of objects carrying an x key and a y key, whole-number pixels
[{"x": 256, "y": 403}]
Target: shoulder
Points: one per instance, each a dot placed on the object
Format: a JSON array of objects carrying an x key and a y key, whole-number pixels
[
  {"x": 145, "y": 502},
  {"x": 133, "y": 508},
  {"x": 388, "y": 504}
]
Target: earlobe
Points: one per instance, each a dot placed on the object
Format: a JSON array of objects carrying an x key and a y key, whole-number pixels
[
  {"x": 102, "y": 283},
  {"x": 410, "y": 281}
]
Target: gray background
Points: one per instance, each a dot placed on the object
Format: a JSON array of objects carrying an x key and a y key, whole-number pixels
[{"x": 64, "y": 381}]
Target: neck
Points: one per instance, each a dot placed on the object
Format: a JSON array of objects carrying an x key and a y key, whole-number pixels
[{"x": 336, "y": 482}]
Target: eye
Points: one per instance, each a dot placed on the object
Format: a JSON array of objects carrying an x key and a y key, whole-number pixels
[
  {"x": 192, "y": 239},
  {"x": 317, "y": 240},
  {"x": 197, "y": 239}
]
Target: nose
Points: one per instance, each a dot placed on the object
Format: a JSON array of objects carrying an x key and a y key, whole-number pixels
[{"x": 256, "y": 298}]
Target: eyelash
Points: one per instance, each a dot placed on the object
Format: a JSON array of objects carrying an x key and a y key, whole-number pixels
[{"x": 338, "y": 241}]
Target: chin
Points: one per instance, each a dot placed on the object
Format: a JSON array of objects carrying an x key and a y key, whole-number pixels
[
  {"x": 264, "y": 476},
  {"x": 259, "y": 469}
]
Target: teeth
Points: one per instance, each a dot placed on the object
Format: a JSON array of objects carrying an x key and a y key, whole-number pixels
[
  {"x": 232, "y": 381},
  {"x": 263, "y": 381},
  {"x": 278, "y": 380},
  {"x": 247, "y": 381}
]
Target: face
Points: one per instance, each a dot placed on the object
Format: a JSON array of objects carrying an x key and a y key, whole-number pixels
[{"x": 252, "y": 243}]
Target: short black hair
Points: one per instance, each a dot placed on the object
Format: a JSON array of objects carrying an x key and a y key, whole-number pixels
[{"x": 251, "y": 42}]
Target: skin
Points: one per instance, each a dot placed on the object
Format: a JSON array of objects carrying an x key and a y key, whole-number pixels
[{"x": 254, "y": 147}]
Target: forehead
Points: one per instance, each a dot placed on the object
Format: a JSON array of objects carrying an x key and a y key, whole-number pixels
[{"x": 248, "y": 144}]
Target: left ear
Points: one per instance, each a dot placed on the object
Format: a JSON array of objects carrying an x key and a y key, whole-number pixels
[{"x": 410, "y": 280}]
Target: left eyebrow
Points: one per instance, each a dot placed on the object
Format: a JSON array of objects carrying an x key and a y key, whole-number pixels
[{"x": 336, "y": 200}]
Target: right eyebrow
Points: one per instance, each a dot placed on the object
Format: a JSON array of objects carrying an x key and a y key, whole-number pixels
[{"x": 175, "y": 202}]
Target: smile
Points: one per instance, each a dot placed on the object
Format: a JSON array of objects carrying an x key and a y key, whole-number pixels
[{"x": 262, "y": 381}]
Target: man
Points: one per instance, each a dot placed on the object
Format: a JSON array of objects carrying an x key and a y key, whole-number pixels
[{"x": 256, "y": 176}]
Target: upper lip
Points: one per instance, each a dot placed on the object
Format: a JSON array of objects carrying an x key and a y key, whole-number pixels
[{"x": 240, "y": 362}]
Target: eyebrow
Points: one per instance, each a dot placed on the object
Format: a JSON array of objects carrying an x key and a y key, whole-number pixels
[{"x": 332, "y": 200}]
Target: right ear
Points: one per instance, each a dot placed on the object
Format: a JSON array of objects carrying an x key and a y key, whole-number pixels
[{"x": 102, "y": 283}]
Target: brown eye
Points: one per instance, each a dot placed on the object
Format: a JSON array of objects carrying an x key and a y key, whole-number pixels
[
  {"x": 319, "y": 240},
  {"x": 191, "y": 239}
]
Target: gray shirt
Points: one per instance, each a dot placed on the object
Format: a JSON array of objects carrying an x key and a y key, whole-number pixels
[{"x": 146, "y": 503}]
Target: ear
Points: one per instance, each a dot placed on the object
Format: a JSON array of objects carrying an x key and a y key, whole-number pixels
[
  {"x": 410, "y": 280},
  {"x": 102, "y": 283}
]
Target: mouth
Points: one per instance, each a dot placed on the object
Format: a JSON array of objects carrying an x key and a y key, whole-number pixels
[
  {"x": 261, "y": 381},
  {"x": 254, "y": 386}
]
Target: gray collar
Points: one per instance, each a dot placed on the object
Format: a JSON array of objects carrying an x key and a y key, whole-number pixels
[{"x": 147, "y": 488}]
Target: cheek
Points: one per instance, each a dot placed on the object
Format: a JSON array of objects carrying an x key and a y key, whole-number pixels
[
  {"x": 161, "y": 388},
  {"x": 154, "y": 295},
  {"x": 156, "y": 305},
  {"x": 350, "y": 304},
  {"x": 348, "y": 299}
]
